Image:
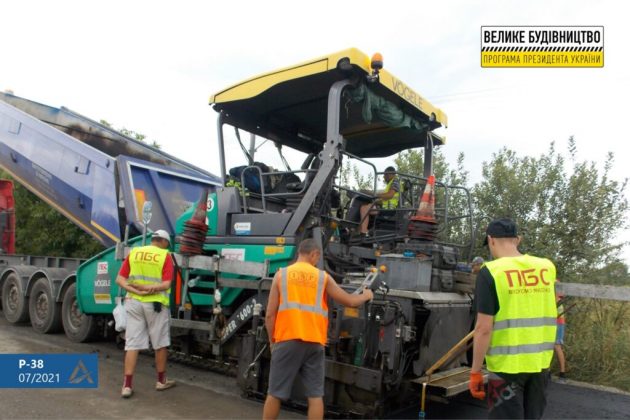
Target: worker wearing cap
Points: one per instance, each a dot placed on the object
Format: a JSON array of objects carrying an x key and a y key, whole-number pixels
[
  {"x": 516, "y": 326},
  {"x": 146, "y": 275},
  {"x": 387, "y": 200},
  {"x": 297, "y": 323},
  {"x": 476, "y": 264}
]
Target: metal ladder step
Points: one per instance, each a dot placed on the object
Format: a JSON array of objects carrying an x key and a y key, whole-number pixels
[{"x": 449, "y": 382}]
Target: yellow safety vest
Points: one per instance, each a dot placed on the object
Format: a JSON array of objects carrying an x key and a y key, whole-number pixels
[
  {"x": 392, "y": 203},
  {"x": 524, "y": 330},
  {"x": 146, "y": 264}
]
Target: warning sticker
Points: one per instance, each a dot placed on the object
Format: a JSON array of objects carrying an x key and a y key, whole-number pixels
[
  {"x": 102, "y": 284},
  {"x": 242, "y": 228},
  {"x": 236, "y": 254},
  {"x": 542, "y": 46},
  {"x": 273, "y": 250}
]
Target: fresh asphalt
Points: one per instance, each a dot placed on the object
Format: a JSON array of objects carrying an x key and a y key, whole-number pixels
[{"x": 202, "y": 394}]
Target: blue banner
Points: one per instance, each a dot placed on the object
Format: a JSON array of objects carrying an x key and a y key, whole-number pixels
[{"x": 49, "y": 370}]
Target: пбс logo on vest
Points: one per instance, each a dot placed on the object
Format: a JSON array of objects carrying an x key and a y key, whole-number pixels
[
  {"x": 303, "y": 279},
  {"x": 147, "y": 256},
  {"x": 526, "y": 281}
]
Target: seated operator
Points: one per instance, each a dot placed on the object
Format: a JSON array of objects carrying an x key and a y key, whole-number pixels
[{"x": 387, "y": 200}]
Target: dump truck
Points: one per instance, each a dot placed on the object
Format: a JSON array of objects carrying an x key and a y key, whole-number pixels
[
  {"x": 97, "y": 178},
  {"x": 332, "y": 110}
]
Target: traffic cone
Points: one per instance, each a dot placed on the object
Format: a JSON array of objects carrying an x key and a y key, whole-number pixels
[
  {"x": 195, "y": 229},
  {"x": 423, "y": 225},
  {"x": 426, "y": 209}
]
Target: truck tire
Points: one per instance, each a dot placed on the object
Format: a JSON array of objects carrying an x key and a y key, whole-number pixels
[
  {"x": 14, "y": 303},
  {"x": 78, "y": 326},
  {"x": 45, "y": 313}
]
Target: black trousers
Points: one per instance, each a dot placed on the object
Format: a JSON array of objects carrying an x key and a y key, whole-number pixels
[{"x": 517, "y": 396}]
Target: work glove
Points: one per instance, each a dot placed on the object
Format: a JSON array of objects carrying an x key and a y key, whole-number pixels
[{"x": 476, "y": 386}]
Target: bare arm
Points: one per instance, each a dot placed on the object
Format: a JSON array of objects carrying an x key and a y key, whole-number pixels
[
  {"x": 387, "y": 195},
  {"x": 124, "y": 284},
  {"x": 150, "y": 288},
  {"x": 272, "y": 307},
  {"x": 481, "y": 341},
  {"x": 346, "y": 299}
]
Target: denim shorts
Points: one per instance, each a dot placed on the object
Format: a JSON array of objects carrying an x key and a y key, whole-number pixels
[{"x": 560, "y": 334}]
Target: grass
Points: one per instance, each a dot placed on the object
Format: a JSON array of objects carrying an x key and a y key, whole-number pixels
[{"x": 597, "y": 342}]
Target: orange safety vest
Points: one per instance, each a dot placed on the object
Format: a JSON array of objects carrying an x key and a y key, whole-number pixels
[{"x": 303, "y": 310}]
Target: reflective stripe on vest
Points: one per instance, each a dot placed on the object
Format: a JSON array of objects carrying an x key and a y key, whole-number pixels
[
  {"x": 303, "y": 310},
  {"x": 317, "y": 308},
  {"x": 392, "y": 203},
  {"x": 524, "y": 330},
  {"x": 523, "y": 349},
  {"x": 146, "y": 264},
  {"x": 524, "y": 322}
]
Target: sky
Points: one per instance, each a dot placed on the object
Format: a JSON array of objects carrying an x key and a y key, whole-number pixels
[{"x": 151, "y": 66}]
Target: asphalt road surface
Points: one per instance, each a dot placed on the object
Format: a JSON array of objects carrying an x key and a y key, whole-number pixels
[
  {"x": 199, "y": 394},
  {"x": 202, "y": 394}
]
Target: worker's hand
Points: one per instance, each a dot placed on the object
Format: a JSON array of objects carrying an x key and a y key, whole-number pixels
[
  {"x": 137, "y": 290},
  {"x": 368, "y": 293},
  {"x": 476, "y": 385}
]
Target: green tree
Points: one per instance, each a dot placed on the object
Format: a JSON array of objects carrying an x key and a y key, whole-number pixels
[{"x": 570, "y": 216}]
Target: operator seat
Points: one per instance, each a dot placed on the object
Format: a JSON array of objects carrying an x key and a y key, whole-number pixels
[{"x": 310, "y": 165}]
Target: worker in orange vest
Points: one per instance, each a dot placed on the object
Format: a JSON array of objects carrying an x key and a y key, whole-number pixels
[{"x": 297, "y": 323}]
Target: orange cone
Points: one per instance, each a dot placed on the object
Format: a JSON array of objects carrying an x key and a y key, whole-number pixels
[
  {"x": 195, "y": 229},
  {"x": 426, "y": 209},
  {"x": 423, "y": 225}
]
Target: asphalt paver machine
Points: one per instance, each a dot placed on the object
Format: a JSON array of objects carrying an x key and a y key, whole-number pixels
[{"x": 339, "y": 108}]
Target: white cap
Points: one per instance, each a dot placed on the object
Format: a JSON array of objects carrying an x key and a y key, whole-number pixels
[{"x": 161, "y": 233}]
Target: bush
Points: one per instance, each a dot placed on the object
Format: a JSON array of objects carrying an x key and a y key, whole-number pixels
[{"x": 597, "y": 342}]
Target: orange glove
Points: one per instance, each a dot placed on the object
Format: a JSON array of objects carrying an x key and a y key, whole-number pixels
[{"x": 476, "y": 386}]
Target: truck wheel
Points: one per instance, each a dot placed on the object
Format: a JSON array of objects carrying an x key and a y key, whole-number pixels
[
  {"x": 45, "y": 313},
  {"x": 78, "y": 326},
  {"x": 14, "y": 303}
]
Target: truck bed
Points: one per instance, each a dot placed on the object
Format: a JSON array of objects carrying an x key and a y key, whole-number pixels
[{"x": 93, "y": 175}]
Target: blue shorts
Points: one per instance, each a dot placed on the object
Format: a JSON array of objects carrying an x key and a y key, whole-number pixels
[{"x": 560, "y": 334}]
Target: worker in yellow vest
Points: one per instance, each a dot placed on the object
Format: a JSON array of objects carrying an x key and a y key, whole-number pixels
[
  {"x": 387, "y": 200},
  {"x": 516, "y": 326},
  {"x": 146, "y": 275},
  {"x": 297, "y": 324}
]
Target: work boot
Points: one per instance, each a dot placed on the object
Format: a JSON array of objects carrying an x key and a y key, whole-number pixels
[
  {"x": 126, "y": 392},
  {"x": 161, "y": 386}
]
